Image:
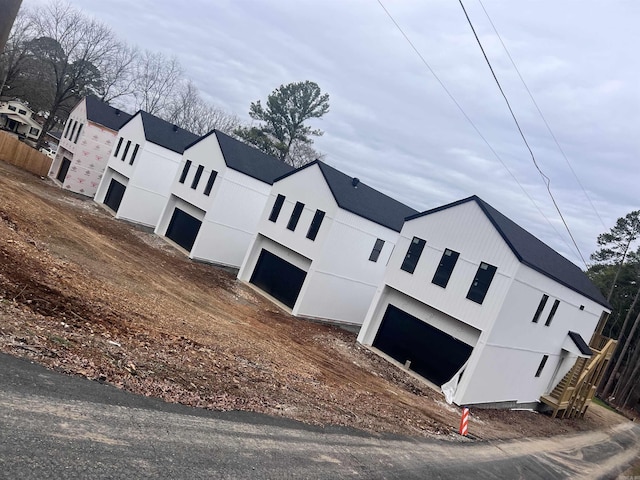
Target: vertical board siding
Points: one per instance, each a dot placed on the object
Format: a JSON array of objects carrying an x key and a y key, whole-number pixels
[{"x": 21, "y": 155}]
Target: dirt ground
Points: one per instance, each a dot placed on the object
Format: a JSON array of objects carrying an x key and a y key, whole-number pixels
[{"x": 83, "y": 293}]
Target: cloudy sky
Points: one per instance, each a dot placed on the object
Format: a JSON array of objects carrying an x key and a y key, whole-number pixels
[{"x": 393, "y": 125}]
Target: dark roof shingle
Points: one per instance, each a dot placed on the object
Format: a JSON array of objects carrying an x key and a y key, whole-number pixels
[
  {"x": 105, "y": 115},
  {"x": 248, "y": 160},
  {"x": 165, "y": 134},
  {"x": 580, "y": 343},
  {"x": 533, "y": 252},
  {"x": 361, "y": 199}
]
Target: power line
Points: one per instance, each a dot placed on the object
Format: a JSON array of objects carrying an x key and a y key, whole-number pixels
[
  {"x": 541, "y": 115},
  {"x": 453, "y": 99},
  {"x": 546, "y": 180}
]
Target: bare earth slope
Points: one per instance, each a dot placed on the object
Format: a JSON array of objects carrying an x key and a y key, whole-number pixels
[{"x": 86, "y": 294}]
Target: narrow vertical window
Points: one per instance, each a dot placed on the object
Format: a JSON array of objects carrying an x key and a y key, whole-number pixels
[
  {"x": 413, "y": 255},
  {"x": 541, "y": 305},
  {"x": 212, "y": 179},
  {"x": 196, "y": 177},
  {"x": 185, "y": 171},
  {"x": 295, "y": 216},
  {"x": 542, "y": 364},
  {"x": 115, "y": 154},
  {"x": 66, "y": 132},
  {"x": 315, "y": 225},
  {"x": 553, "y": 311},
  {"x": 78, "y": 133},
  {"x": 481, "y": 282},
  {"x": 126, "y": 150},
  {"x": 445, "y": 268},
  {"x": 133, "y": 155},
  {"x": 277, "y": 206},
  {"x": 377, "y": 248},
  {"x": 73, "y": 129}
]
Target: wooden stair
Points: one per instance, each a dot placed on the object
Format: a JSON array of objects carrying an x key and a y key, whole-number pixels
[{"x": 573, "y": 394}]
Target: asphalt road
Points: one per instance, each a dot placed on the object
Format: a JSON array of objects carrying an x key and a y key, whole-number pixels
[{"x": 57, "y": 426}]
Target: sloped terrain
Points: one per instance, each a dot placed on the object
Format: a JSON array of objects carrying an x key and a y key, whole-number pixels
[{"x": 86, "y": 294}]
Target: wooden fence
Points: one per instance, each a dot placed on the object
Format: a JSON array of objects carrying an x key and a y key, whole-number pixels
[{"x": 21, "y": 155}]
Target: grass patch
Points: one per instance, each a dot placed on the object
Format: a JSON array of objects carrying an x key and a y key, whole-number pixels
[{"x": 602, "y": 403}]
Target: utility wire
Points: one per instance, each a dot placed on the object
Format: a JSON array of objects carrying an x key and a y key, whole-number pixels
[
  {"x": 546, "y": 180},
  {"x": 541, "y": 115},
  {"x": 453, "y": 99}
]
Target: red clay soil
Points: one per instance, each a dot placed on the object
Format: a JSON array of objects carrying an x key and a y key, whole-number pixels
[{"x": 85, "y": 294}]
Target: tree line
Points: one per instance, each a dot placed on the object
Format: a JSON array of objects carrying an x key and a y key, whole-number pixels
[
  {"x": 56, "y": 54},
  {"x": 616, "y": 271}
]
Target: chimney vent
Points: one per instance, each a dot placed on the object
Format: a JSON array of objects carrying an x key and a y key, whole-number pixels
[{"x": 355, "y": 182}]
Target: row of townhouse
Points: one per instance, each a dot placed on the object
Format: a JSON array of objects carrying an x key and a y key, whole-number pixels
[{"x": 460, "y": 295}]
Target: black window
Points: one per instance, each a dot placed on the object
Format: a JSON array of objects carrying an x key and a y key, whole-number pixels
[
  {"x": 126, "y": 150},
  {"x": 115, "y": 154},
  {"x": 481, "y": 283},
  {"x": 197, "y": 176},
  {"x": 185, "y": 171},
  {"x": 277, "y": 206},
  {"x": 556, "y": 303},
  {"x": 445, "y": 268},
  {"x": 315, "y": 225},
  {"x": 295, "y": 216},
  {"x": 377, "y": 248},
  {"x": 66, "y": 132},
  {"x": 22, "y": 112},
  {"x": 133, "y": 155},
  {"x": 73, "y": 129},
  {"x": 413, "y": 255},
  {"x": 12, "y": 108},
  {"x": 209, "y": 186},
  {"x": 542, "y": 364},
  {"x": 541, "y": 306},
  {"x": 78, "y": 133}
]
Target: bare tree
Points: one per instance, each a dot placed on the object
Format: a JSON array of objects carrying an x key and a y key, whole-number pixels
[
  {"x": 190, "y": 111},
  {"x": 157, "y": 82},
  {"x": 117, "y": 74},
  {"x": 73, "y": 47}
]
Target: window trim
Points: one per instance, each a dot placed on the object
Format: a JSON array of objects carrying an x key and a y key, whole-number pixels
[
  {"x": 73, "y": 130},
  {"x": 376, "y": 250},
  {"x": 541, "y": 305},
  {"x": 443, "y": 268},
  {"x": 185, "y": 171},
  {"x": 552, "y": 313},
  {"x": 315, "y": 225},
  {"x": 543, "y": 362},
  {"x": 210, "y": 181},
  {"x": 126, "y": 150},
  {"x": 277, "y": 206},
  {"x": 471, "y": 294},
  {"x": 408, "y": 265},
  {"x": 197, "y": 176},
  {"x": 295, "y": 216},
  {"x": 78, "y": 133},
  {"x": 115, "y": 154},
  {"x": 133, "y": 155}
]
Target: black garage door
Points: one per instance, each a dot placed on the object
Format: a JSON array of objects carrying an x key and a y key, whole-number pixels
[
  {"x": 434, "y": 354},
  {"x": 64, "y": 169},
  {"x": 114, "y": 195},
  {"x": 183, "y": 229},
  {"x": 278, "y": 278}
]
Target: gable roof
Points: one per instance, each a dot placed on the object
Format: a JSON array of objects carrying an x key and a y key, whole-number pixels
[
  {"x": 164, "y": 133},
  {"x": 105, "y": 115},
  {"x": 248, "y": 160},
  {"x": 361, "y": 199},
  {"x": 532, "y": 251}
]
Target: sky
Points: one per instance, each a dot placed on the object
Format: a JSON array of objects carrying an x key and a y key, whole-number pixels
[{"x": 393, "y": 124}]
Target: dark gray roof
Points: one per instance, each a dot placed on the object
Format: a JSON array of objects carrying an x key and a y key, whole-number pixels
[
  {"x": 361, "y": 199},
  {"x": 164, "y": 133},
  {"x": 248, "y": 160},
  {"x": 105, "y": 115},
  {"x": 580, "y": 343},
  {"x": 533, "y": 252}
]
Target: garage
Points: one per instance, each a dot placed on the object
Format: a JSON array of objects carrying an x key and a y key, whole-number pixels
[
  {"x": 64, "y": 169},
  {"x": 434, "y": 354},
  {"x": 114, "y": 195},
  {"x": 277, "y": 277},
  {"x": 183, "y": 229}
]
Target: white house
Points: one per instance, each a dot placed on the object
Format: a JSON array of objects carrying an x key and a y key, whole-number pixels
[
  {"x": 85, "y": 145},
  {"x": 468, "y": 290},
  {"x": 16, "y": 117},
  {"x": 322, "y": 243},
  {"x": 146, "y": 156},
  {"x": 217, "y": 198}
]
